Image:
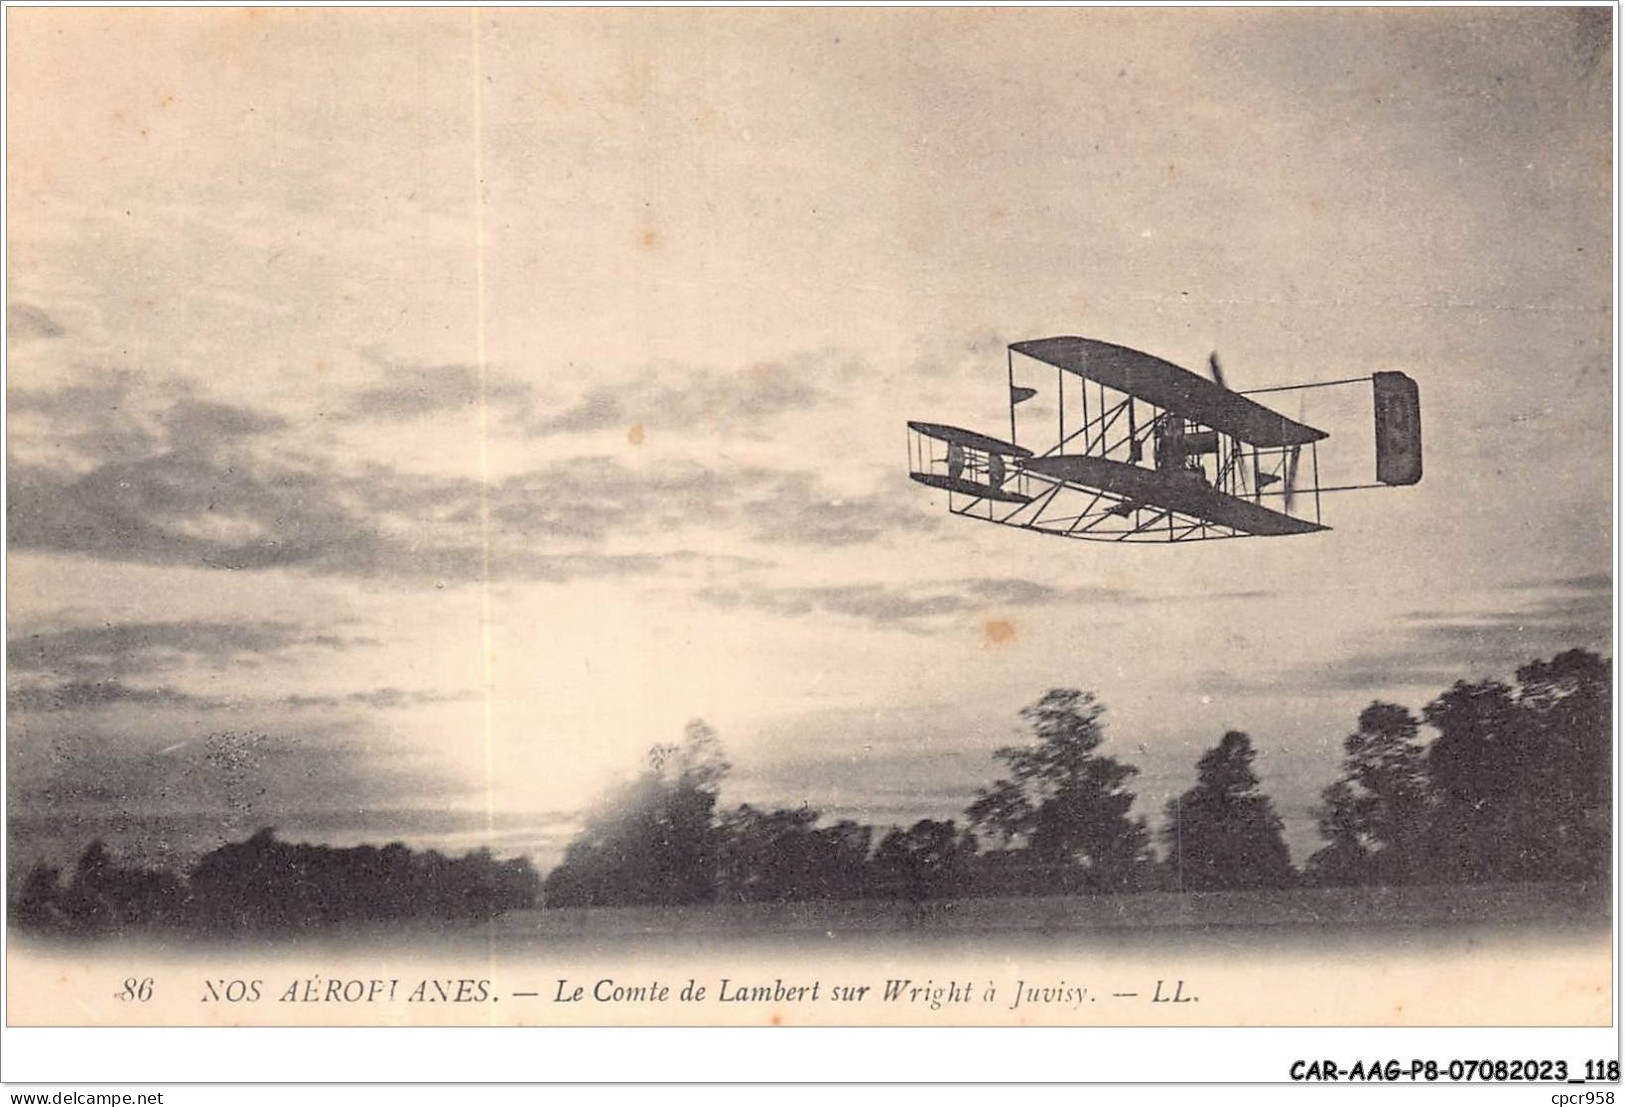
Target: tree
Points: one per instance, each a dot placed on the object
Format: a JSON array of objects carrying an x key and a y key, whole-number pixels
[
  {"x": 86, "y": 903},
  {"x": 782, "y": 856},
  {"x": 267, "y": 884},
  {"x": 37, "y": 903},
  {"x": 105, "y": 895},
  {"x": 1063, "y": 801},
  {"x": 653, "y": 840},
  {"x": 1567, "y": 704},
  {"x": 842, "y": 852},
  {"x": 1483, "y": 824},
  {"x": 1522, "y": 777},
  {"x": 930, "y": 860},
  {"x": 1375, "y": 819},
  {"x": 1224, "y": 832},
  {"x": 764, "y": 853}
]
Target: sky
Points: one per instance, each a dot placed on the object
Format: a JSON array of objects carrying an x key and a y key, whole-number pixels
[{"x": 413, "y": 416}]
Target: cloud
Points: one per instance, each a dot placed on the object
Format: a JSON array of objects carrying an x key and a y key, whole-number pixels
[
  {"x": 670, "y": 398},
  {"x": 88, "y": 695},
  {"x": 229, "y": 781},
  {"x": 106, "y": 421},
  {"x": 796, "y": 508},
  {"x": 205, "y": 511},
  {"x": 89, "y": 668},
  {"x": 1367, "y": 674},
  {"x": 196, "y": 483},
  {"x": 82, "y": 669},
  {"x": 1502, "y": 643},
  {"x": 1438, "y": 648},
  {"x": 100, "y": 653},
  {"x": 1575, "y": 611},
  {"x": 206, "y": 424},
  {"x": 910, "y": 607},
  {"x": 418, "y": 391},
  {"x": 593, "y": 498},
  {"x": 94, "y": 421},
  {"x": 559, "y": 568},
  {"x": 697, "y": 400},
  {"x": 196, "y": 508},
  {"x": 25, "y": 321},
  {"x": 82, "y": 695},
  {"x": 200, "y": 483},
  {"x": 1602, "y": 583},
  {"x": 381, "y": 699}
]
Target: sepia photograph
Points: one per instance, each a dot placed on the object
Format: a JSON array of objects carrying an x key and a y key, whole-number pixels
[{"x": 843, "y": 517}]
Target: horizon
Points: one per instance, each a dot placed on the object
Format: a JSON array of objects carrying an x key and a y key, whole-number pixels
[{"x": 457, "y": 834}]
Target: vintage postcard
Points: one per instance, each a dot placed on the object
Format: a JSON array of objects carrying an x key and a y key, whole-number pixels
[{"x": 830, "y": 517}]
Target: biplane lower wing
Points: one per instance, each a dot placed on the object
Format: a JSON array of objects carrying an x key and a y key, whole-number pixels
[
  {"x": 1175, "y": 492},
  {"x": 971, "y": 488}
]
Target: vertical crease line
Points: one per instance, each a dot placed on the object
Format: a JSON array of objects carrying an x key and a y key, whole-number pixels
[
  {"x": 484, "y": 425},
  {"x": 486, "y": 659}
]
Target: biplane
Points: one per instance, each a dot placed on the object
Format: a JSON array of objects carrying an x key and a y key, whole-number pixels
[{"x": 1155, "y": 452}]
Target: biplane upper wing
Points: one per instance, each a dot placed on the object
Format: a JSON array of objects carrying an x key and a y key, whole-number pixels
[
  {"x": 1169, "y": 492},
  {"x": 1171, "y": 388},
  {"x": 959, "y": 436}
]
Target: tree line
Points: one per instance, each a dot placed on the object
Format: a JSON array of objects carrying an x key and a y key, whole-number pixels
[
  {"x": 265, "y": 884},
  {"x": 1513, "y": 785},
  {"x": 1058, "y": 822}
]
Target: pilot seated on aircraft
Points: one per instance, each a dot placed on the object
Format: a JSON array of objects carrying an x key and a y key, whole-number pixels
[{"x": 1178, "y": 453}]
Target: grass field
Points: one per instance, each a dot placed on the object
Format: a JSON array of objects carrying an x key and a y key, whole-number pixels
[
  {"x": 1318, "y": 916},
  {"x": 1313, "y": 915}
]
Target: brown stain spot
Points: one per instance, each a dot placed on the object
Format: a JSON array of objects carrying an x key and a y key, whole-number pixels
[
  {"x": 998, "y": 215},
  {"x": 1173, "y": 170},
  {"x": 166, "y": 101},
  {"x": 1316, "y": 203},
  {"x": 996, "y": 632},
  {"x": 776, "y": 1020},
  {"x": 635, "y": 434},
  {"x": 649, "y": 240}
]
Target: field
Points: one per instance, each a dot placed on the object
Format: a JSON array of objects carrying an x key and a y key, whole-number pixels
[{"x": 1310, "y": 915}]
